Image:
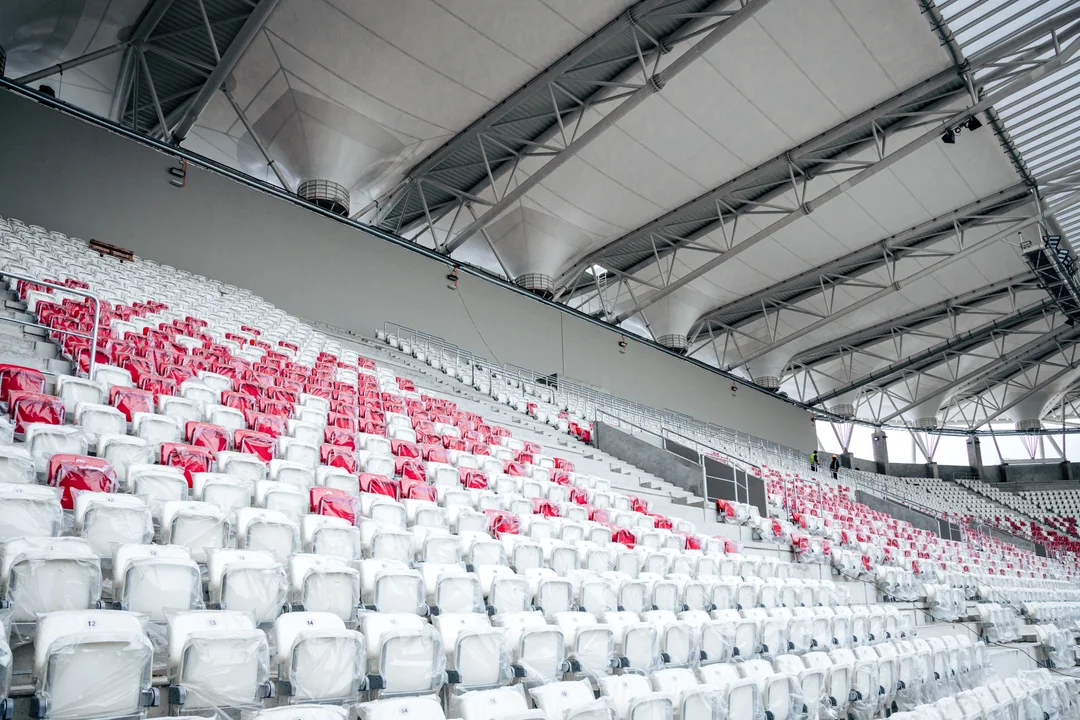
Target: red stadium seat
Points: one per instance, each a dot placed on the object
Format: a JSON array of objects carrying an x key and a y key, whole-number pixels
[
  {"x": 78, "y": 473},
  {"x": 30, "y": 407},
  {"x": 16, "y": 377}
]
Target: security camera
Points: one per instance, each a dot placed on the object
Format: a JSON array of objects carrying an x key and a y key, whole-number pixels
[
  {"x": 734, "y": 388},
  {"x": 452, "y": 279},
  {"x": 622, "y": 345}
]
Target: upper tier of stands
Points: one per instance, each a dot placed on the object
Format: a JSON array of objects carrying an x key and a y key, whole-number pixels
[{"x": 280, "y": 520}]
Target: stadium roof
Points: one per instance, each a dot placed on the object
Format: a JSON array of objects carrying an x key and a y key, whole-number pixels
[{"x": 867, "y": 206}]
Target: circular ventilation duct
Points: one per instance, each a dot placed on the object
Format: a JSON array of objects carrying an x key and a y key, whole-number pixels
[
  {"x": 327, "y": 151},
  {"x": 537, "y": 283},
  {"x": 1025, "y": 425},
  {"x": 845, "y": 411},
  {"x": 926, "y": 423},
  {"x": 327, "y": 194},
  {"x": 769, "y": 382},
  {"x": 674, "y": 342}
]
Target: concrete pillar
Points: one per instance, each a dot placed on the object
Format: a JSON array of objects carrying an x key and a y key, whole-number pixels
[
  {"x": 931, "y": 470},
  {"x": 1066, "y": 470},
  {"x": 847, "y": 460},
  {"x": 881, "y": 451},
  {"x": 974, "y": 451}
]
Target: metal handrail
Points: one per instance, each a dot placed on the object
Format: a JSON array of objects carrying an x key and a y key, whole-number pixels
[{"x": 92, "y": 337}]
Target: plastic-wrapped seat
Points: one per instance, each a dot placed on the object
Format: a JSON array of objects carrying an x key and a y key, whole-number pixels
[
  {"x": 33, "y": 569},
  {"x": 227, "y": 492},
  {"x": 327, "y": 535},
  {"x": 267, "y": 530},
  {"x": 156, "y": 429},
  {"x": 243, "y": 466},
  {"x": 92, "y": 664},
  {"x": 16, "y": 466},
  {"x": 570, "y": 700},
  {"x": 156, "y": 485},
  {"x": 536, "y": 647},
  {"x": 44, "y": 441},
  {"x": 477, "y": 655},
  {"x": 283, "y": 497},
  {"x": 198, "y": 526},
  {"x": 781, "y": 693},
  {"x": 123, "y": 451},
  {"x": 590, "y": 646},
  {"x": 72, "y": 391},
  {"x": 106, "y": 520},
  {"x": 391, "y": 586},
  {"x": 98, "y": 420},
  {"x": 324, "y": 583},
  {"x": 318, "y": 658},
  {"x": 404, "y": 654},
  {"x": 634, "y": 699},
  {"x": 218, "y": 659},
  {"x": 29, "y": 511},
  {"x": 303, "y": 712},
  {"x": 150, "y": 579},
  {"x": 637, "y": 643},
  {"x": 247, "y": 580}
]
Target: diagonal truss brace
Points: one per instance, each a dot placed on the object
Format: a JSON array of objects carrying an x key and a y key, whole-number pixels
[{"x": 1024, "y": 58}]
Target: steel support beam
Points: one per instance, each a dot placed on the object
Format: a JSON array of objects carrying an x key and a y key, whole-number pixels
[
  {"x": 251, "y": 27},
  {"x": 941, "y": 352},
  {"x": 1032, "y": 352},
  {"x": 654, "y": 85},
  {"x": 535, "y": 126},
  {"x": 847, "y": 268},
  {"x": 894, "y": 287},
  {"x": 536, "y": 87},
  {"x": 1051, "y": 56},
  {"x": 254, "y": 136}
]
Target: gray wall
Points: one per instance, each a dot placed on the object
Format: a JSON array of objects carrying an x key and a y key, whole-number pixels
[
  {"x": 644, "y": 455},
  {"x": 68, "y": 175},
  {"x": 899, "y": 511}
]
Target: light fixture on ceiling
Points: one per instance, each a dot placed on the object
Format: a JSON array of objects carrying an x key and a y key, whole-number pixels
[{"x": 971, "y": 124}]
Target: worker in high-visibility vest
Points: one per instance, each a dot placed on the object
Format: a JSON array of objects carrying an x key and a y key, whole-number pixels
[{"x": 813, "y": 461}]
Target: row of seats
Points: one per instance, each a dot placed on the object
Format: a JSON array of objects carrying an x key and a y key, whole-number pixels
[{"x": 499, "y": 590}]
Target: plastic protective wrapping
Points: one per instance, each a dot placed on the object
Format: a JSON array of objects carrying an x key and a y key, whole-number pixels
[
  {"x": 458, "y": 593},
  {"x": 497, "y": 704},
  {"x": 45, "y": 575},
  {"x": 865, "y": 699},
  {"x": 482, "y": 660},
  {"x": 223, "y": 669},
  {"x": 6, "y": 658},
  {"x": 782, "y": 696},
  {"x": 743, "y": 700},
  {"x": 415, "y": 708},
  {"x": 154, "y": 585},
  {"x": 255, "y": 588},
  {"x": 594, "y": 651},
  {"x": 411, "y": 662},
  {"x": 16, "y": 464},
  {"x": 29, "y": 511},
  {"x": 329, "y": 586},
  {"x": 88, "y": 664},
  {"x": 911, "y": 672},
  {"x": 717, "y": 641},
  {"x": 541, "y": 652},
  {"x": 571, "y": 700},
  {"x": 396, "y": 589},
  {"x": 324, "y": 665},
  {"x": 306, "y": 712},
  {"x": 106, "y": 520}
]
